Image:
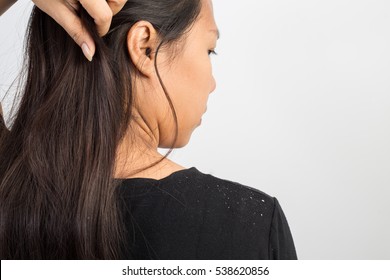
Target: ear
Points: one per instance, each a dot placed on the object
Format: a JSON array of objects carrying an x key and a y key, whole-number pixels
[{"x": 141, "y": 45}]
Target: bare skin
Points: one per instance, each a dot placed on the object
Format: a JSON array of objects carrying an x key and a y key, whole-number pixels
[{"x": 189, "y": 81}]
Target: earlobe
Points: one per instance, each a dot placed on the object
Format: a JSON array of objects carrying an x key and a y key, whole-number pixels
[{"x": 141, "y": 43}]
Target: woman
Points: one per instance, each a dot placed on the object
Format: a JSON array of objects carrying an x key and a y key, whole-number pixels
[{"x": 81, "y": 176}]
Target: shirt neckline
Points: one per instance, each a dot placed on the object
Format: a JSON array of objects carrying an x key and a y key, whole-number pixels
[{"x": 170, "y": 176}]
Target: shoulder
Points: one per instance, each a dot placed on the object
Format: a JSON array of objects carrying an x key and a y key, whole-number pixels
[
  {"x": 230, "y": 193},
  {"x": 233, "y": 214},
  {"x": 191, "y": 188},
  {"x": 230, "y": 202},
  {"x": 211, "y": 217},
  {"x": 251, "y": 216}
]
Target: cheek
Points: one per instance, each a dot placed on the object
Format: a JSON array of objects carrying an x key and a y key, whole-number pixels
[
  {"x": 189, "y": 84},
  {"x": 198, "y": 83},
  {"x": 199, "y": 79}
]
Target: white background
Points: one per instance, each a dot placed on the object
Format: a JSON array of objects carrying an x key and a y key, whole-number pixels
[
  {"x": 301, "y": 112},
  {"x": 194, "y": 269}
]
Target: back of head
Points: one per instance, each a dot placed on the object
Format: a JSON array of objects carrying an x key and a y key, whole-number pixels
[{"x": 58, "y": 198}]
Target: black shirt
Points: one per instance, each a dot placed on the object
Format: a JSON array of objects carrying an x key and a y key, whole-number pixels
[{"x": 192, "y": 215}]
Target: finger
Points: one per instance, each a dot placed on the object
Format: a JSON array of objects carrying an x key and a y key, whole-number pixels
[
  {"x": 116, "y": 5},
  {"x": 101, "y": 12},
  {"x": 69, "y": 20}
]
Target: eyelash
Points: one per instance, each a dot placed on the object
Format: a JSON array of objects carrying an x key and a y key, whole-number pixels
[{"x": 212, "y": 52}]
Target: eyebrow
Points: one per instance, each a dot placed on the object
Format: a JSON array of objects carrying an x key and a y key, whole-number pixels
[{"x": 216, "y": 31}]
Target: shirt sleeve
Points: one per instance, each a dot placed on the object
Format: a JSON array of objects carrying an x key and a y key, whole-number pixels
[{"x": 281, "y": 244}]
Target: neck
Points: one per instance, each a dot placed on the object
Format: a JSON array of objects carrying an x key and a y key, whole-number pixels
[{"x": 139, "y": 150}]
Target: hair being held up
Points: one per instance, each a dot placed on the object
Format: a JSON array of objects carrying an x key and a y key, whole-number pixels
[{"x": 58, "y": 197}]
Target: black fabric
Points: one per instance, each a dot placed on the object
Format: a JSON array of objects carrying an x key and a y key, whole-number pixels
[{"x": 192, "y": 215}]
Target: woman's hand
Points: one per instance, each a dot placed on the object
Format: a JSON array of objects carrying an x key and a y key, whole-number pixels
[{"x": 64, "y": 13}]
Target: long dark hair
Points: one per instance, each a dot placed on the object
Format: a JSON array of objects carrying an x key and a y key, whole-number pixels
[{"x": 58, "y": 197}]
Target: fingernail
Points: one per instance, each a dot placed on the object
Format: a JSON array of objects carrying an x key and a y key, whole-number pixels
[{"x": 86, "y": 51}]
